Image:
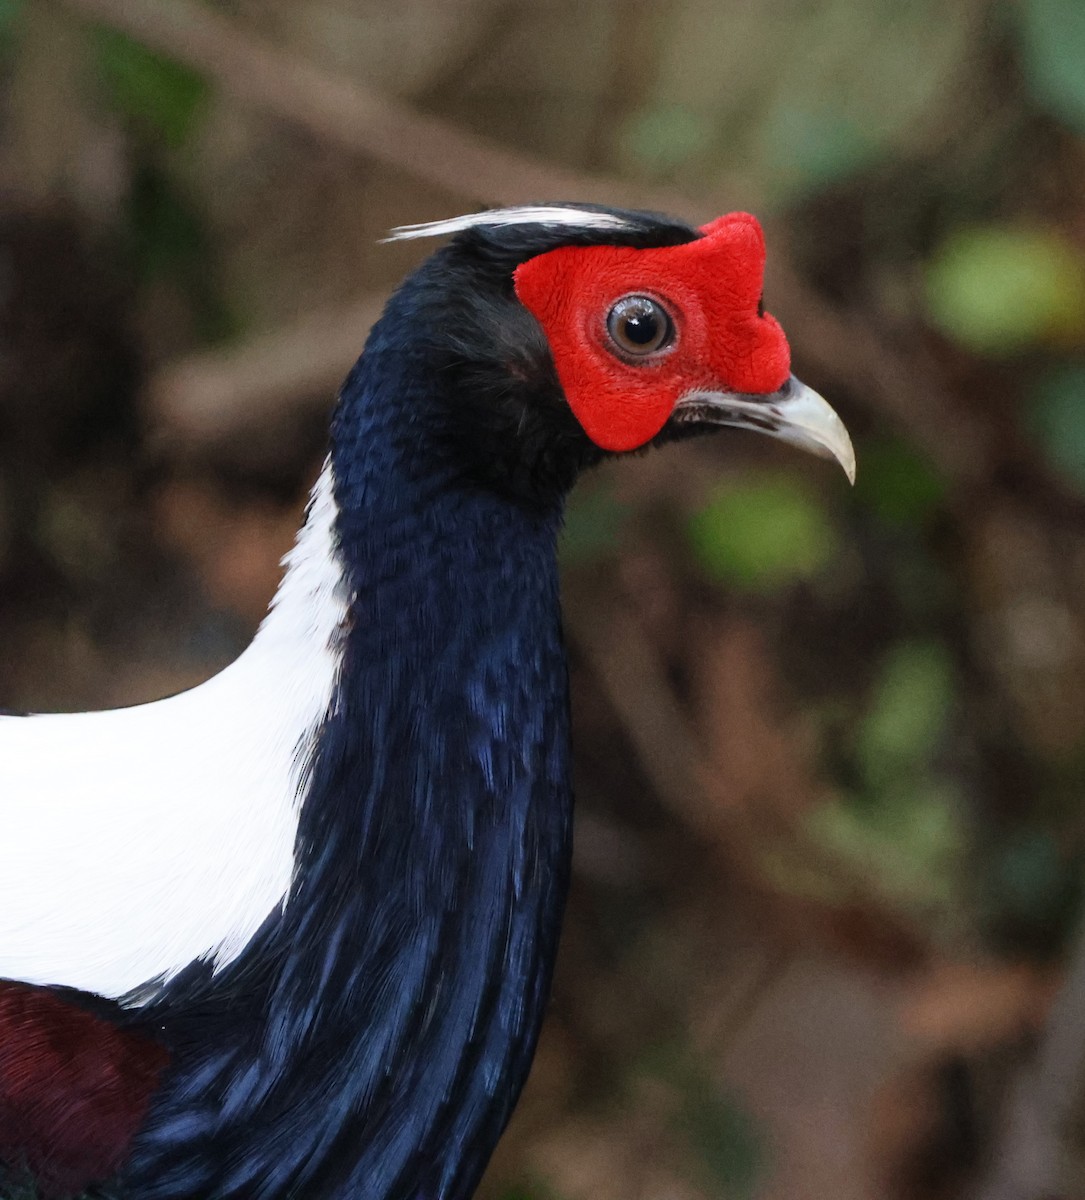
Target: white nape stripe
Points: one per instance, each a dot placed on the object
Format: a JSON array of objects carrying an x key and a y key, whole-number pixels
[
  {"x": 136, "y": 841},
  {"x": 537, "y": 214}
]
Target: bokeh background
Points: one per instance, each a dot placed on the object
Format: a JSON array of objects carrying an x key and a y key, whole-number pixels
[{"x": 830, "y": 742}]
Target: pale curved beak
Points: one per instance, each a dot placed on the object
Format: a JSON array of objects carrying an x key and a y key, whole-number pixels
[{"x": 795, "y": 414}]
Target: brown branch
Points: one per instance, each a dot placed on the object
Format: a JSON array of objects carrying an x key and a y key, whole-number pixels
[
  {"x": 1033, "y": 1157},
  {"x": 219, "y": 393},
  {"x": 633, "y": 679},
  {"x": 340, "y": 111},
  {"x": 210, "y": 394},
  {"x": 627, "y": 666}
]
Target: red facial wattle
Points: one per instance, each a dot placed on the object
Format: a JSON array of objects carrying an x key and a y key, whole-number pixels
[{"x": 711, "y": 287}]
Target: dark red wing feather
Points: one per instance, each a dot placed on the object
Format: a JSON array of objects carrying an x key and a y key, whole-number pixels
[{"x": 74, "y": 1088}]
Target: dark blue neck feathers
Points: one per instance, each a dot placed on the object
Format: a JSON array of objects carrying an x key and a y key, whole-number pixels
[{"x": 376, "y": 1035}]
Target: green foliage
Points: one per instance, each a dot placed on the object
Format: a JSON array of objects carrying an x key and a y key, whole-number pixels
[
  {"x": 782, "y": 99},
  {"x": 168, "y": 241},
  {"x": 764, "y": 533},
  {"x": 908, "y": 846},
  {"x": 159, "y": 96},
  {"x": 593, "y": 523},
  {"x": 901, "y": 826},
  {"x": 905, "y": 723},
  {"x": 660, "y": 138},
  {"x": 1052, "y": 36},
  {"x": 10, "y": 13},
  {"x": 818, "y": 144},
  {"x": 1030, "y": 890},
  {"x": 996, "y": 289},
  {"x": 166, "y": 231},
  {"x": 726, "y": 1141},
  {"x": 162, "y": 101},
  {"x": 1057, "y": 418},
  {"x": 899, "y": 484},
  {"x": 528, "y": 1190},
  {"x": 1025, "y": 874}
]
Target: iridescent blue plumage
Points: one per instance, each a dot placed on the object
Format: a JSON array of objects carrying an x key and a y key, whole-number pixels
[
  {"x": 377, "y": 1033},
  {"x": 356, "y": 1014}
]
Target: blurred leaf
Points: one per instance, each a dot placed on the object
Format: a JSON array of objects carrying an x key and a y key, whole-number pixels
[
  {"x": 818, "y": 145},
  {"x": 902, "y": 831},
  {"x": 907, "y": 846},
  {"x": 528, "y": 1191},
  {"x": 159, "y": 95},
  {"x": 763, "y": 534},
  {"x": 169, "y": 241},
  {"x": 166, "y": 229},
  {"x": 10, "y": 12},
  {"x": 1052, "y": 54},
  {"x": 899, "y": 484},
  {"x": 73, "y": 536},
  {"x": 1028, "y": 872},
  {"x": 920, "y": 581},
  {"x": 1031, "y": 891},
  {"x": 996, "y": 289},
  {"x": 1058, "y": 418},
  {"x": 725, "y": 1138},
  {"x": 662, "y": 137},
  {"x": 593, "y": 521},
  {"x": 798, "y": 94},
  {"x": 907, "y": 717}
]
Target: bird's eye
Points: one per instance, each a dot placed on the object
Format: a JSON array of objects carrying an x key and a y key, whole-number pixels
[{"x": 639, "y": 325}]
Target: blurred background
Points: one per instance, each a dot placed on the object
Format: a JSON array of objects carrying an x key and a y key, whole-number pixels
[{"x": 830, "y": 742}]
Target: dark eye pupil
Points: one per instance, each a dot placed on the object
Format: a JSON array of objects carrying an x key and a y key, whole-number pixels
[
  {"x": 639, "y": 325},
  {"x": 641, "y": 328}
]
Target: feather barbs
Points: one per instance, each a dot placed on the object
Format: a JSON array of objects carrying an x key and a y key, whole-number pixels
[{"x": 526, "y": 214}]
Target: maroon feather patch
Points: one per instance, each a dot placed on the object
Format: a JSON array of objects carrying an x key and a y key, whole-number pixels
[{"x": 73, "y": 1089}]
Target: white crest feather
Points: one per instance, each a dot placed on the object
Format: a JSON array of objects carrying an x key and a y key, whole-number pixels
[{"x": 530, "y": 214}]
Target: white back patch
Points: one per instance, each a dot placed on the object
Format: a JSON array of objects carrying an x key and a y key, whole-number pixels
[
  {"x": 532, "y": 214},
  {"x": 136, "y": 841}
]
